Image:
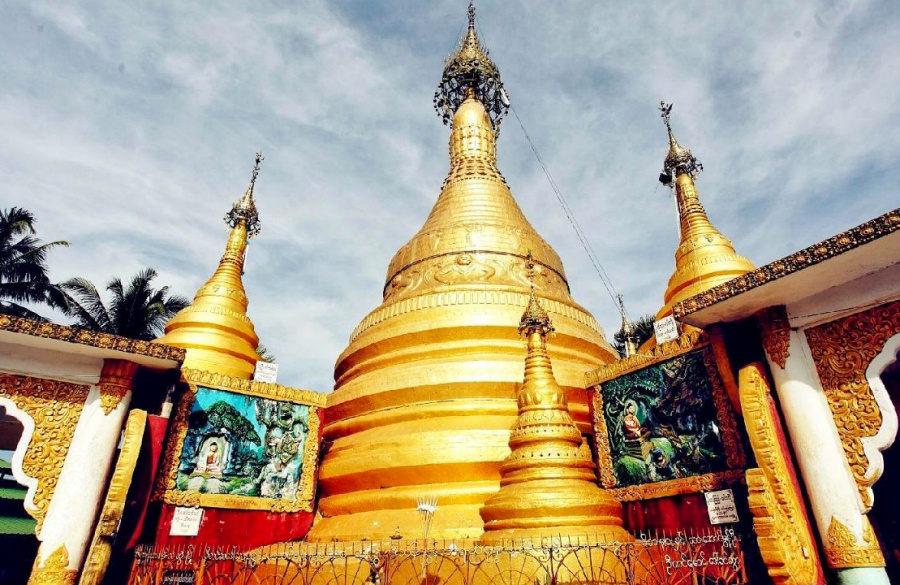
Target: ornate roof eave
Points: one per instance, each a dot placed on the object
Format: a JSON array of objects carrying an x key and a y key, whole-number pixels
[
  {"x": 708, "y": 307},
  {"x": 470, "y": 67}
]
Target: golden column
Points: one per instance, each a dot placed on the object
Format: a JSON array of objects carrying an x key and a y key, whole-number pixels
[
  {"x": 704, "y": 258},
  {"x": 547, "y": 485},
  {"x": 425, "y": 392},
  {"x": 215, "y": 329}
]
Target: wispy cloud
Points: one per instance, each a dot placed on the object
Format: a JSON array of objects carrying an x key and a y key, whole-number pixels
[{"x": 130, "y": 130}]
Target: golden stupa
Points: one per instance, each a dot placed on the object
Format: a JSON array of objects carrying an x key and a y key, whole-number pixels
[
  {"x": 704, "y": 258},
  {"x": 425, "y": 393},
  {"x": 214, "y": 328},
  {"x": 547, "y": 482}
]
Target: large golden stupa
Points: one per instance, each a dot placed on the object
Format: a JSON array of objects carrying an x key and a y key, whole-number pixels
[{"x": 425, "y": 393}]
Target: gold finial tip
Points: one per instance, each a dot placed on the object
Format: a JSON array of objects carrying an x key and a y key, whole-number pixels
[
  {"x": 470, "y": 67},
  {"x": 679, "y": 159},
  {"x": 244, "y": 210},
  {"x": 666, "y": 109}
]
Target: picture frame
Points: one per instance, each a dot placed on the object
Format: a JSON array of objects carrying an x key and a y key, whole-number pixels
[{"x": 241, "y": 444}]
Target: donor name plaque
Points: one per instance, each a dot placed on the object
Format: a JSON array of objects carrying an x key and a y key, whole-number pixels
[
  {"x": 186, "y": 521},
  {"x": 721, "y": 508}
]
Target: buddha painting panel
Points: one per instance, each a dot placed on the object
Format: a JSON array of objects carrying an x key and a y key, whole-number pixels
[
  {"x": 662, "y": 423},
  {"x": 243, "y": 445}
]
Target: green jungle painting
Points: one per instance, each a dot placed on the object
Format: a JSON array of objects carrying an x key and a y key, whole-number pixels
[
  {"x": 661, "y": 422},
  {"x": 243, "y": 445}
]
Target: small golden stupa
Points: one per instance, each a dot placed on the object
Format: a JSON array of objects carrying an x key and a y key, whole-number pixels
[
  {"x": 704, "y": 258},
  {"x": 548, "y": 484},
  {"x": 214, "y": 328},
  {"x": 425, "y": 392}
]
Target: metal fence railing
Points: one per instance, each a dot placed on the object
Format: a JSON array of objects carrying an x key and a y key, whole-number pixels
[{"x": 708, "y": 558}]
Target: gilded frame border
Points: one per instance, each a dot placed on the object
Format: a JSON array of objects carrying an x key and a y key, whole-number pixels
[
  {"x": 165, "y": 486},
  {"x": 735, "y": 458}
]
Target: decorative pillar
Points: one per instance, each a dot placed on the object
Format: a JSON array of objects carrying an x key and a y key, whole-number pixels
[
  {"x": 69, "y": 522},
  {"x": 850, "y": 547}
]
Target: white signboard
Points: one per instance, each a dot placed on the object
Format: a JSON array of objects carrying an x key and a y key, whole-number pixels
[
  {"x": 186, "y": 522},
  {"x": 666, "y": 329},
  {"x": 721, "y": 508},
  {"x": 265, "y": 372}
]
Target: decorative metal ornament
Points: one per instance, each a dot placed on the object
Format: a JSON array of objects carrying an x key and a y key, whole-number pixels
[
  {"x": 245, "y": 208},
  {"x": 471, "y": 68},
  {"x": 679, "y": 159}
]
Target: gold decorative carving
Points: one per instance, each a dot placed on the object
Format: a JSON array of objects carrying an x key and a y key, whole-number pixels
[
  {"x": 54, "y": 570},
  {"x": 779, "y": 520},
  {"x": 55, "y": 408},
  {"x": 49, "y": 330},
  {"x": 775, "y": 331},
  {"x": 473, "y": 267},
  {"x": 165, "y": 486},
  {"x": 731, "y": 442},
  {"x": 834, "y": 246},
  {"x": 244, "y": 386},
  {"x": 845, "y": 551},
  {"x": 100, "y": 552},
  {"x": 115, "y": 381},
  {"x": 842, "y": 350},
  {"x": 469, "y": 297},
  {"x": 685, "y": 342}
]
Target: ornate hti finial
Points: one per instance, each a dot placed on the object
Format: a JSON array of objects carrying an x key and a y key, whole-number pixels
[
  {"x": 534, "y": 318},
  {"x": 245, "y": 208},
  {"x": 470, "y": 67},
  {"x": 679, "y": 159}
]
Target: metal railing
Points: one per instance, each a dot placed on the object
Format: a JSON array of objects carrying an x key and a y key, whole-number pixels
[{"x": 706, "y": 558}]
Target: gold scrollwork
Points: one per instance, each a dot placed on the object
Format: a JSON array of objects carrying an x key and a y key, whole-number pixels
[
  {"x": 775, "y": 332},
  {"x": 98, "y": 339},
  {"x": 54, "y": 570},
  {"x": 842, "y": 350},
  {"x": 115, "y": 382},
  {"x": 55, "y": 408},
  {"x": 833, "y": 246},
  {"x": 165, "y": 486},
  {"x": 844, "y": 551},
  {"x": 731, "y": 442},
  {"x": 100, "y": 551},
  {"x": 685, "y": 342},
  {"x": 782, "y": 528}
]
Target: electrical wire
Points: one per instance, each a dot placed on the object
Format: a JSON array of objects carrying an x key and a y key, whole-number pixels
[{"x": 570, "y": 215}]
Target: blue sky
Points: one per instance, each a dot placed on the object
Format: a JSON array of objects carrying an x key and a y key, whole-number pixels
[{"x": 130, "y": 128}]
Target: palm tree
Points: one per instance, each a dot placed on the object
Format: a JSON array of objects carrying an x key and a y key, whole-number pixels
[
  {"x": 23, "y": 269},
  {"x": 642, "y": 330},
  {"x": 137, "y": 311}
]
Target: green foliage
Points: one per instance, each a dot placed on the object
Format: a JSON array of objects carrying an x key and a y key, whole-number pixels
[
  {"x": 137, "y": 310},
  {"x": 23, "y": 270},
  {"x": 264, "y": 354},
  {"x": 224, "y": 416},
  {"x": 642, "y": 330}
]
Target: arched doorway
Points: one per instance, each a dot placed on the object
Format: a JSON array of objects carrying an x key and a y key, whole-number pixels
[
  {"x": 885, "y": 514},
  {"x": 17, "y": 539}
]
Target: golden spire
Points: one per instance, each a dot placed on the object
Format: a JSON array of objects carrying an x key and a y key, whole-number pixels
[
  {"x": 547, "y": 483},
  {"x": 704, "y": 257},
  {"x": 214, "y": 328}
]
